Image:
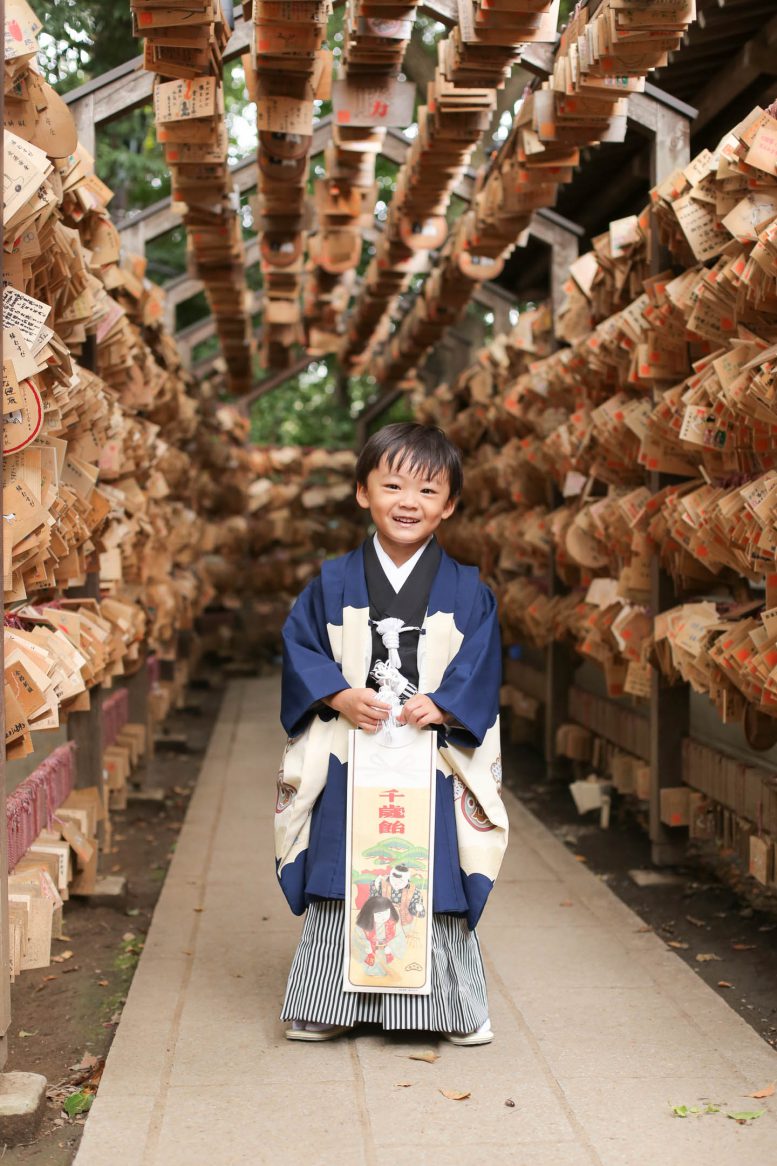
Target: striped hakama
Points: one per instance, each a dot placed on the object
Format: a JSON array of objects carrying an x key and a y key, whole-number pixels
[{"x": 458, "y": 1001}]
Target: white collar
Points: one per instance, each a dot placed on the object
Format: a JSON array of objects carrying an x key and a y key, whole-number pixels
[{"x": 397, "y": 576}]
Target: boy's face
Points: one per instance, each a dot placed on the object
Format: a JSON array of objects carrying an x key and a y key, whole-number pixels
[{"x": 406, "y": 507}]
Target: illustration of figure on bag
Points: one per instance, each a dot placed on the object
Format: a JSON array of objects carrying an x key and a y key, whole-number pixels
[{"x": 383, "y": 937}]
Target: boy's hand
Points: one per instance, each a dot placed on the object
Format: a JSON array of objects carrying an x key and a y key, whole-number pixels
[
  {"x": 421, "y": 710},
  {"x": 360, "y": 706}
]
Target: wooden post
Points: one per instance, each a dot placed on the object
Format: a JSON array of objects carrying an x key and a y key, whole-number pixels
[
  {"x": 563, "y": 237},
  {"x": 140, "y": 712},
  {"x": 669, "y": 706},
  {"x": 558, "y": 677},
  {"x": 86, "y": 728}
]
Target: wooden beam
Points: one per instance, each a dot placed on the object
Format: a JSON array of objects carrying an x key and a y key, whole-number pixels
[
  {"x": 564, "y": 250},
  {"x": 183, "y": 287},
  {"x": 444, "y": 11},
  {"x": 376, "y": 409},
  {"x": 159, "y": 218},
  {"x": 275, "y": 380},
  {"x": 127, "y": 86},
  {"x": 755, "y": 58}
]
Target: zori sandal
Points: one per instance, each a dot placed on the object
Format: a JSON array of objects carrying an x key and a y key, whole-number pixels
[{"x": 310, "y": 1031}]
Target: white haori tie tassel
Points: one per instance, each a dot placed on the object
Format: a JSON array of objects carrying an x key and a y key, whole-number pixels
[
  {"x": 393, "y": 686},
  {"x": 389, "y": 631}
]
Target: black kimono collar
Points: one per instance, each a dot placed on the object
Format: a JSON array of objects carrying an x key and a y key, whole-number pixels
[{"x": 410, "y": 602}]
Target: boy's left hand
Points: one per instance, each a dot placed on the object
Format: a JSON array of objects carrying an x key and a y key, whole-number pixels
[{"x": 420, "y": 710}]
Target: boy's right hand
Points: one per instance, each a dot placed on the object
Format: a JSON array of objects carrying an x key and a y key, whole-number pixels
[{"x": 360, "y": 706}]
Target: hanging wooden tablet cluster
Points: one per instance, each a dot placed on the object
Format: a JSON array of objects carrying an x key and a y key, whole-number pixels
[
  {"x": 377, "y": 33},
  {"x": 290, "y": 70},
  {"x": 367, "y": 99},
  {"x": 473, "y": 62},
  {"x": 628, "y": 38},
  {"x": 582, "y": 104},
  {"x": 90, "y": 486},
  {"x": 185, "y": 42},
  {"x": 449, "y": 128},
  {"x": 681, "y": 380},
  {"x": 344, "y": 202},
  {"x": 487, "y": 41}
]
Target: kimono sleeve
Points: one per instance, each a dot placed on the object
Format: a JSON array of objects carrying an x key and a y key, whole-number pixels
[
  {"x": 309, "y": 670},
  {"x": 469, "y": 689}
]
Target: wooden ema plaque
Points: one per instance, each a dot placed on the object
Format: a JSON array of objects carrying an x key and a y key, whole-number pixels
[{"x": 389, "y": 849}]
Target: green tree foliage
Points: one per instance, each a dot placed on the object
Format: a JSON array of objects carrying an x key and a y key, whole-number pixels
[{"x": 305, "y": 409}]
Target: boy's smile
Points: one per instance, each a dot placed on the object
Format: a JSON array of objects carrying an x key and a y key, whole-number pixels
[{"x": 406, "y": 506}]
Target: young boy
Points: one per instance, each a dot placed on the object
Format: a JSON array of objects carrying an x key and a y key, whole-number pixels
[{"x": 409, "y": 477}]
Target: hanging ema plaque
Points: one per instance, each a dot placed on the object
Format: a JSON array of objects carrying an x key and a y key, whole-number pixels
[{"x": 389, "y": 849}]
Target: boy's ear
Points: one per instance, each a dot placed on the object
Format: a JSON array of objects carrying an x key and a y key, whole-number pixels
[
  {"x": 361, "y": 496},
  {"x": 449, "y": 508}
]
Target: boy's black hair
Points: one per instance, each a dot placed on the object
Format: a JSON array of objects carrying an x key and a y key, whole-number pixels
[
  {"x": 366, "y": 917},
  {"x": 419, "y": 447}
]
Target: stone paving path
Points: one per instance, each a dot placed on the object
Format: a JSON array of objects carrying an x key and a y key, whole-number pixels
[{"x": 599, "y": 1026}]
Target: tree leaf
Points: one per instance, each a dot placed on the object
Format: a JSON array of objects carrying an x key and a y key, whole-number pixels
[
  {"x": 23, "y": 1033},
  {"x": 746, "y": 1115},
  {"x": 725, "y": 984},
  {"x": 744, "y": 946},
  {"x": 427, "y": 1055},
  {"x": 767, "y": 1091},
  {"x": 404, "y": 1084},
  {"x": 452, "y": 1095},
  {"x": 704, "y": 957},
  {"x": 678, "y": 943}
]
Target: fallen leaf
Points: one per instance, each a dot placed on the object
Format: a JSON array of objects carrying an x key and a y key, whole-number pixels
[
  {"x": 645, "y": 927},
  {"x": 684, "y": 1110},
  {"x": 128, "y": 936},
  {"x": 580, "y": 858},
  {"x": 704, "y": 957},
  {"x": 746, "y": 1115},
  {"x": 744, "y": 946},
  {"x": 58, "y": 959},
  {"x": 428, "y": 1056},
  {"x": 725, "y": 984},
  {"x": 23, "y": 1033},
  {"x": 696, "y": 922},
  {"x": 199, "y": 910},
  {"x": 133, "y": 911},
  {"x": 63, "y": 939},
  {"x": 77, "y": 1103},
  {"x": 678, "y": 943},
  {"x": 452, "y": 1095},
  {"x": 404, "y": 1084},
  {"x": 767, "y": 1091},
  {"x": 510, "y": 1103},
  {"x": 566, "y": 903},
  {"x": 47, "y": 978},
  {"x": 103, "y": 983},
  {"x": 710, "y": 1107}
]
